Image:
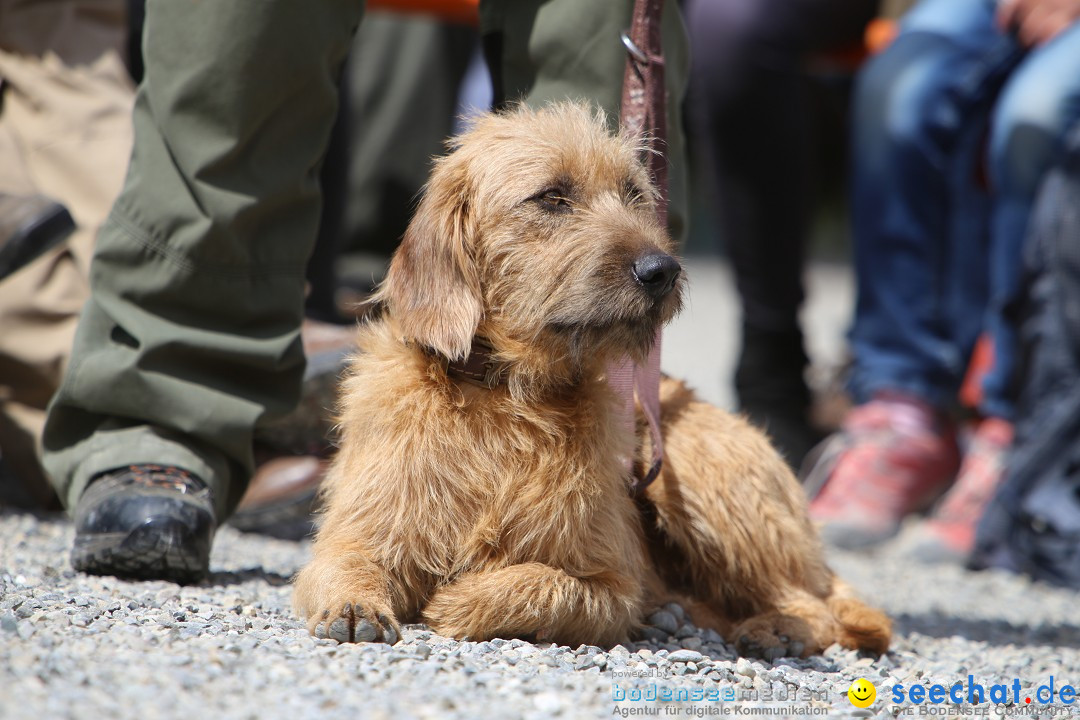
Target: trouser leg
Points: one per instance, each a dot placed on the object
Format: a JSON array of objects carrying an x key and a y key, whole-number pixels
[
  {"x": 190, "y": 337},
  {"x": 919, "y": 217},
  {"x": 750, "y": 117}
]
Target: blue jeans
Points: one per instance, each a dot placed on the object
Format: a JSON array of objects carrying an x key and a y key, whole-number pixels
[{"x": 955, "y": 125}]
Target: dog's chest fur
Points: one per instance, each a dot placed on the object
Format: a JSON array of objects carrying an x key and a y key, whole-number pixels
[{"x": 470, "y": 478}]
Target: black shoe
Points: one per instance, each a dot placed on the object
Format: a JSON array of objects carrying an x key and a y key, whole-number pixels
[
  {"x": 146, "y": 522},
  {"x": 29, "y": 225}
]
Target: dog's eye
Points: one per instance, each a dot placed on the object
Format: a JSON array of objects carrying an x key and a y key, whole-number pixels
[
  {"x": 632, "y": 194},
  {"x": 555, "y": 200}
]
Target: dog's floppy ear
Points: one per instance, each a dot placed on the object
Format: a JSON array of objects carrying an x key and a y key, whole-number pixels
[{"x": 432, "y": 288}]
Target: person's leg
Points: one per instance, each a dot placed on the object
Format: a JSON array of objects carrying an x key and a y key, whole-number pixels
[
  {"x": 191, "y": 335},
  {"x": 1032, "y": 117},
  {"x": 750, "y": 117},
  {"x": 920, "y": 252},
  {"x": 65, "y": 132},
  {"x": 404, "y": 76},
  {"x": 919, "y": 121}
]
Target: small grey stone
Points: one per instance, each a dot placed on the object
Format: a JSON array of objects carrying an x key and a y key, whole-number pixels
[
  {"x": 685, "y": 656},
  {"x": 422, "y": 650},
  {"x": 686, "y": 631},
  {"x": 743, "y": 667},
  {"x": 664, "y": 620},
  {"x": 25, "y": 629},
  {"x": 692, "y": 643},
  {"x": 654, "y": 634},
  {"x": 677, "y": 610},
  {"x": 8, "y": 622},
  {"x": 711, "y": 636}
]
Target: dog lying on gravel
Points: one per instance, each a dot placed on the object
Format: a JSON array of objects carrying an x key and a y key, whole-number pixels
[{"x": 481, "y": 486}]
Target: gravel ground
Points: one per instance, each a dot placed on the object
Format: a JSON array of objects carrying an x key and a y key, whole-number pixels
[{"x": 73, "y": 645}]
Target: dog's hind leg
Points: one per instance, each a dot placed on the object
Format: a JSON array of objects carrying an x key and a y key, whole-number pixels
[
  {"x": 735, "y": 518},
  {"x": 536, "y": 601}
]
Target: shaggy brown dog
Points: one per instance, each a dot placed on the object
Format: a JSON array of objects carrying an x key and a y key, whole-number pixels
[{"x": 501, "y": 507}]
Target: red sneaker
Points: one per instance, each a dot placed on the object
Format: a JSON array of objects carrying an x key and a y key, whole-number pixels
[
  {"x": 897, "y": 455},
  {"x": 949, "y": 534}
]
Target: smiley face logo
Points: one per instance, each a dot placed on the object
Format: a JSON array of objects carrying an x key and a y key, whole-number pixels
[{"x": 862, "y": 693}]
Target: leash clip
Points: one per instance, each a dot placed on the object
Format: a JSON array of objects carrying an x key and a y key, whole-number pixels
[{"x": 631, "y": 47}]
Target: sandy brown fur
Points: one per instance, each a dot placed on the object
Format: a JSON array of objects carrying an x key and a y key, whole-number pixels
[{"x": 506, "y": 511}]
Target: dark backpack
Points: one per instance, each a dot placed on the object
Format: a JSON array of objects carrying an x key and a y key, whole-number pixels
[{"x": 1033, "y": 523}]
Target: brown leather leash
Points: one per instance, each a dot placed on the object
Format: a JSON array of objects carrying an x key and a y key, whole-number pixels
[{"x": 644, "y": 114}]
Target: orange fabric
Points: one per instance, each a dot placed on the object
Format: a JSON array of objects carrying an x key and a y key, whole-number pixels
[
  {"x": 880, "y": 32},
  {"x": 459, "y": 11}
]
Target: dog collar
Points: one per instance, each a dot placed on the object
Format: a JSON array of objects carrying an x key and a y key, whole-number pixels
[{"x": 480, "y": 368}]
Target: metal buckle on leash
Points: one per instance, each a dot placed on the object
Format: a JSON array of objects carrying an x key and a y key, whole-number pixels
[{"x": 633, "y": 49}]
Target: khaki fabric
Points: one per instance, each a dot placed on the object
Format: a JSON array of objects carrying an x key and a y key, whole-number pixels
[{"x": 65, "y": 132}]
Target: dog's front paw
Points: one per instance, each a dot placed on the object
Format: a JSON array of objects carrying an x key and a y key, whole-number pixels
[
  {"x": 352, "y": 622},
  {"x": 773, "y": 636}
]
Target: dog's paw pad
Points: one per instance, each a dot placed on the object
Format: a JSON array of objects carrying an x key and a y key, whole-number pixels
[
  {"x": 353, "y": 624},
  {"x": 339, "y": 630}
]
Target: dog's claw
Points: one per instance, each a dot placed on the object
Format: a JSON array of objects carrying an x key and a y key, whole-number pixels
[{"x": 390, "y": 635}]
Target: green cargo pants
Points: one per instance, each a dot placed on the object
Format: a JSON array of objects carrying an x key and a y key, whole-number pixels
[{"x": 190, "y": 338}]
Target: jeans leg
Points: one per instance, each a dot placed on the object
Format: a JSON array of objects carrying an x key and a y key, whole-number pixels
[
  {"x": 191, "y": 334},
  {"x": 920, "y": 248},
  {"x": 1038, "y": 105}
]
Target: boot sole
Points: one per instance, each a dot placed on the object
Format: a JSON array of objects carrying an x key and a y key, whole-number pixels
[{"x": 162, "y": 548}]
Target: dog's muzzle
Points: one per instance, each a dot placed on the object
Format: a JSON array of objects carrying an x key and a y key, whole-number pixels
[{"x": 657, "y": 273}]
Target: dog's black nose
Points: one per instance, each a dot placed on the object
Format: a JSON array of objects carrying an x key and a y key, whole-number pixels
[{"x": 657, "y": 272}]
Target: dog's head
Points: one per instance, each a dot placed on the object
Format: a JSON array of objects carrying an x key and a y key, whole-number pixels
[{"x": 539, "y": 233}]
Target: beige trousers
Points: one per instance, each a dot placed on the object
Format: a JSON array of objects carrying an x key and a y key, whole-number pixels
[{"x": 65, "y": 132}]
